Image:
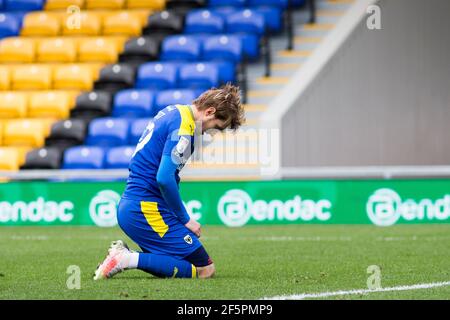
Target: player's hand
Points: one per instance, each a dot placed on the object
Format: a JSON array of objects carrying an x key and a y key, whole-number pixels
[{"x": 195, "y": 227}]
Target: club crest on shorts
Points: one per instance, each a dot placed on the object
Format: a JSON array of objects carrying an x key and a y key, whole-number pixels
[{"x": 188, "y": 239}]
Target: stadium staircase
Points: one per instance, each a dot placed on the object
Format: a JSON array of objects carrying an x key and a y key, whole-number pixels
[{"x": 80, "y": 79}]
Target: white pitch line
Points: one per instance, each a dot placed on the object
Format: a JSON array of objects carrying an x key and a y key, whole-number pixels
[{"x": 359, "y": 291}]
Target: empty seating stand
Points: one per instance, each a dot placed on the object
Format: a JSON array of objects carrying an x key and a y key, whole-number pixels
[{"x": 77, "y": 94}]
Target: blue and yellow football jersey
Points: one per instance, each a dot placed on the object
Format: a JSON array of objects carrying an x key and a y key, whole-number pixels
[{"x": 171, "y": 133}]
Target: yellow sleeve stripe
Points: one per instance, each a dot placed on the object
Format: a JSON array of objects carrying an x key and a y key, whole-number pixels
[
  {"x": 187, "y": 126},
  {"x": 154, "y": 218},
  {"x": 194, "y": 271}
]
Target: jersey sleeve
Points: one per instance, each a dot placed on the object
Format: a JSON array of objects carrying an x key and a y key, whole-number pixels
[
  {"x": 177, "y": 150},
  {"x": 166, "y": 178},
  {"x": 180, "y": 138}
]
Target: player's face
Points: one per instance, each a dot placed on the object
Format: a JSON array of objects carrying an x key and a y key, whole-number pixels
[{"x": 211, "y": 123}]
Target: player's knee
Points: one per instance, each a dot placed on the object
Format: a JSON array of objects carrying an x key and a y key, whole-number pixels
[{"x": 206, "y": 272}]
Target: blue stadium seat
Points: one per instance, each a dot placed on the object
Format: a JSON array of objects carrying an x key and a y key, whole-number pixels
[
  {"x": 168, "y": 97},
  {"x": 180, "y": 48},
  {"x": 275, "y": 3},
  {"x": 249, "y": 41},
  {"x": 204, "y": 21},
  {"x": 137, "y": 127},
  {"x": 19, "y": 15},
  {"x": 246, "y": 21},
  {"x": 23, "y": 5},
  {"x": 227, "y": 71},
  {"x": 231, "y": 3},
  {"x": 228, "y": 48},
  {"x": 107, "y": 132},
  {"x": 250, "y": 44},
  {"x": 134, "y": 103},
  {"x": 83, "y": 157},
  {"x": 224, "y": 11},
  {"x": 119, "y": 157},
  {"x": 199, "y": 76},
  {"x": 9, "y": 25},
  {"x": 272, "y": 17},
  {"x": 298, "y": 3},
  {"x": 157, "y": 75}
]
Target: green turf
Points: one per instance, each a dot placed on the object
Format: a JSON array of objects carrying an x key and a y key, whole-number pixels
[{"x": 252, "y": 262}]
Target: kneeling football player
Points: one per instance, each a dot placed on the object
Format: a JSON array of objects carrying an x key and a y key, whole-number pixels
[{"x": 151, "y": 211}]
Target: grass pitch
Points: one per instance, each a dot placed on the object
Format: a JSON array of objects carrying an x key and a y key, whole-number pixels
[{"x": 251, "y": 262}]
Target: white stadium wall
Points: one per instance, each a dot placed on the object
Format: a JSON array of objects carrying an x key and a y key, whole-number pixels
[{"x": 381, "y": 98}]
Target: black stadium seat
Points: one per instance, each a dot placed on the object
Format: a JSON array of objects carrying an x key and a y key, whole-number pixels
[
  {"x": 67, "y": 133},
  {"x": 43, "y": 158},
  {"x": 184, "y": 6},
  {"x": 164, "y": 23},
  {"x": 140, "y": 50},
  {"x": 92, "y": 104},
  {"x": 116, "y": 77}
]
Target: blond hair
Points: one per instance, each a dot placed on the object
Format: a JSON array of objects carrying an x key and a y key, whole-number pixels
[{"x": 227, "y": 102}]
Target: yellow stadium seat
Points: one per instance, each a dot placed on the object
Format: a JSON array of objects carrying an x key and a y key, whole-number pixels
[
  {"x": 5, "y": 76},
  {"x": 50, "y": 104},
  {"x": 122, "y": 23},
  {"x": 73, "y": 77},
  {"x": 140, "y": 14},
  {"x": 31, "y": 77},
  {"x": 90, "y": 25},
  {"x": 47, "y": 124},
  {"x": 22, "y": 153},
  {"x": 98, "y": 50},
  {"x": 119, "y": 41},
  {"x": 25, "y": 132},
  {"x": 100, "y": 14},
  {"x": 13, "y": 104},
  {"x": 95, "y": 69},
  {"x": 146, "y": 4},
  {"x": 56, "y": 50},
  {"x": 63, "y": 4},
  {"x": 17, "y": 49},
  {"x": 41, "y": 24},
  {"x": 9, "y": 159},
  {"x": 1, "y": 132},
  {"x": 105, "y": 4}
]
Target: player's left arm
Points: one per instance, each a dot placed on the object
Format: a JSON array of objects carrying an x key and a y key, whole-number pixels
[
  {"x": 177, "y": 149},
  {"x": 166, "y": 179}
]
